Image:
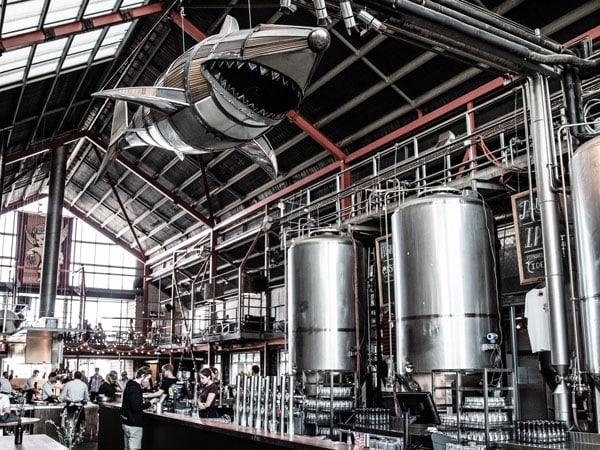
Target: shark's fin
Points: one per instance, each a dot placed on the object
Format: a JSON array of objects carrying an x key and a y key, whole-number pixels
[
  {"x": 230, "y": 24},
  {"x": 120, "y": 121},
  {"x": 166, "y": 100},
  {"x": 261, "y": 152}
]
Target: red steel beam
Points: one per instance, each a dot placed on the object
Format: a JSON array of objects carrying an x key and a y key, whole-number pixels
[
  {"x": 124, "y": 212},
  {"x": 152, "y": 182},
  {"x": 68, "y": 29},
  {"x": 320, "y": 138},
  {"x": 188, "y": 27}
]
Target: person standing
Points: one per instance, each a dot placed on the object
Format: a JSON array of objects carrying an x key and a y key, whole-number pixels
[
  {"x": 109, "y": 387},
  {"x": 167, "y": 380},
  {"x": 75, "y": 393},
  {"x": 96, "y": 381},
  {"x": 48, "y": 388},
  {"x": 207, "y": 403},
  {"x": 123, "y": 381},
  {"x": 132, "y": 409},
  {"x": 32, "y": 387}
]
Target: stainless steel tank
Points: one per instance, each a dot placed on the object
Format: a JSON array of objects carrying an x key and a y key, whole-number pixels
[
  {"x": 325, "y": 275},
  {"x": 585, "y": 192},
  {"x": 445, "y": 283}
]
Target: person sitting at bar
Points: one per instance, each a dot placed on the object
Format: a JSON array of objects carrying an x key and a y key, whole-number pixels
[{"x": 207, "y": 403}]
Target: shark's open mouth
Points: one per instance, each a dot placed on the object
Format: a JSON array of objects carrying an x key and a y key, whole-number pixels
[{"x": 266, "y": 91}]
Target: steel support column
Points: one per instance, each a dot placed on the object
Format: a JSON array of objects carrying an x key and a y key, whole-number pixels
[{"x": 52, "y": 235}]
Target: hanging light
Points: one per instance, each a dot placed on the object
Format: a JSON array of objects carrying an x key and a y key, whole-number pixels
[
  {"x": 347, "y": 15},
  {"x": 369, "y": 19},
  {"x": 286, "y": 7},
  {"x": 321, "y": 12}
]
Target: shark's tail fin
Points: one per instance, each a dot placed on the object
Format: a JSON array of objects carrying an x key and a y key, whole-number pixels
[
  {"x": 261, "y": 152},
  {"x": 120, "y": 121}
]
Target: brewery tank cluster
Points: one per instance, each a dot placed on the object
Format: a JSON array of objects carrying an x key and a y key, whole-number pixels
[{"x": 445, "y": 282}]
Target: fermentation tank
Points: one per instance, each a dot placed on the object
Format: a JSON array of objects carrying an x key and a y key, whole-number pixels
[
  {"x": 326, "y": 279},
  {"x": 445, "y": 283},
  {"x": 585, "y": 192}
]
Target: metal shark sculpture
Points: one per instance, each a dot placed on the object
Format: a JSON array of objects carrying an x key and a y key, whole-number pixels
[{"x": 225, "y": 92}]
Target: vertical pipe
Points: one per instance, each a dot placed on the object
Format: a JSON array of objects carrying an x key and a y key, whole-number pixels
[
  {"x": 52, "y": 236},
  {"x": 3, "y": 145},
  {"x": 541, "y": 130},
  {"x": 515, "y": 364}
]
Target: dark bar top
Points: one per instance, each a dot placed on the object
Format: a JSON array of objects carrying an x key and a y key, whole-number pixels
[
  {"x": 252, "y": 434},
  {"x": 169, "y": 430}
]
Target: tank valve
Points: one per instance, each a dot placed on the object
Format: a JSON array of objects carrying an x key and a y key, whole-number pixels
[{"x": 492, "y": 337}]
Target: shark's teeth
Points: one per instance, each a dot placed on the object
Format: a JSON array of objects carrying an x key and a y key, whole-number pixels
[{"x": 230, "y": 75}]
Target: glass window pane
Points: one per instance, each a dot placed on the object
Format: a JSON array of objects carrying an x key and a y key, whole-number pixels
[
  {"x": 62, "y": 11},
  {"x": 21, "y": 16}
]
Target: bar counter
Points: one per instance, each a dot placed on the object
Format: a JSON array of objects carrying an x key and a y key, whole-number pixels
[{"x": 169, "y": 430}]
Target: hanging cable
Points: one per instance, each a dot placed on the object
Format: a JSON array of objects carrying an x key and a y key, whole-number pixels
[
  {"x": 182, "y": 14},
  {"x": 249, "y": 15}
]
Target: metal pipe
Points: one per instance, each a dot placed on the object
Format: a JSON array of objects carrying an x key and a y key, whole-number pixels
[
  {"x": 541, "y": 131},
  {"x": 481, "y": 35},
  {"x": 502, "y": 24},
  {"x": 520, "y": 38},
  {"x": 515, "y": 362},
  {"x": 52, "y": 234}
]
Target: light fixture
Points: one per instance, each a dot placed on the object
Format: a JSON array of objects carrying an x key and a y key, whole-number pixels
[
  {"x": 369, "y": 19},
  {"x": 321, "y": 12},
  {"x": 347, "y": 15},
  {"x": 286, "y": 6}
]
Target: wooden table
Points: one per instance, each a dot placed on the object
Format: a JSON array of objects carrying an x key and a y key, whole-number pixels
[
  {"x": 31, "y": 442},
  {"x": 24, "y": 421}
]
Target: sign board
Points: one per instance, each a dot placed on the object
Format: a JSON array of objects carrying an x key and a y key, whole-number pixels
[
  {"x": 385, "y": 270},
  {"x": 528, "y": 234}
]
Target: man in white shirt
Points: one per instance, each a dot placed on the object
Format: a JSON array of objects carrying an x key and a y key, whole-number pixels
[
  {"x": 33, "y": 379},
  {"x": 5, "y": 387},
  {"x": 4, "y": 404},
  {"x": 48, "y": 388},
  {"x": 31, "y": 389},
  {"x": 75, "y": 391}
]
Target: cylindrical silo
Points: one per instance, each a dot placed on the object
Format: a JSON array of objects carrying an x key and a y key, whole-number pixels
[
  {"x": 585, "y": 192},
  {"x": 326, "y": 277},
  {"x": 445, "y": 283}
]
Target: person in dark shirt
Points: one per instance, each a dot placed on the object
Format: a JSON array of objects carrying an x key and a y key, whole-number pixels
[
  {"x": 168, "y": 379},
  {"x": 109, "y": 387},
  {"x": 132, "y": 409},
  {"x": 207, "y": 403}
]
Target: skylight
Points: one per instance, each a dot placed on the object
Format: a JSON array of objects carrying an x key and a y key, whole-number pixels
[{"x": 23, "y": 17}]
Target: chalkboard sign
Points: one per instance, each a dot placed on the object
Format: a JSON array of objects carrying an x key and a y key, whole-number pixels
[
  {"x": 528, "y": 233},
  {"x": 385, "y": 270}
]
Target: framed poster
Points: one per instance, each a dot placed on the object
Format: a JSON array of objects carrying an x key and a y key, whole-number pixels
[
  {"x": 528, "y": 236},
  {"x": 384, "y": 257}
]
